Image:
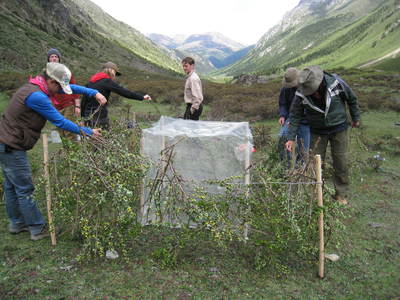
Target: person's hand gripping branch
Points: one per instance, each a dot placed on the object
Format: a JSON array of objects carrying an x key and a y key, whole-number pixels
[
  {"x": 101, "y": 99},
  {"x": 289, "y": 146},
  {"x": 96, "y": 132},
  {"x": 147, "y": 97}
]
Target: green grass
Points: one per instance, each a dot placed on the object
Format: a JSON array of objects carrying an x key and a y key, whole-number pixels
[
  {"x": 391, "y": 64},
  {"x": 367, "y": 269}
]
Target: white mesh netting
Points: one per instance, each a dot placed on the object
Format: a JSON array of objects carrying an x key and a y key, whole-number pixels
[{"x": 186, "y": 154}]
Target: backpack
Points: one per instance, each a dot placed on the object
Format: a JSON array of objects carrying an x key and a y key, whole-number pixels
[{"x": 346, "y": 88}]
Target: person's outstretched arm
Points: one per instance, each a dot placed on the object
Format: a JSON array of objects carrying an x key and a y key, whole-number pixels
[
  {"x": 40, "y": 103},
  {"x": 124, "y": 92}
]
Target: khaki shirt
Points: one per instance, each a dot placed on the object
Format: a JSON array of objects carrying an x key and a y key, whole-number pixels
[{"x": 193, "y": 90}]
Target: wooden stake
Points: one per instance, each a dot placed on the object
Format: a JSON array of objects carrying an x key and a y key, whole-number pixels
[
  {"x": 142, "y": 186},
  {"x": 294, "y": 154},
  {"x": 48, "y": 190},
  {"x": 318, "y": 170},
  {"x": 247, "y": 181}
]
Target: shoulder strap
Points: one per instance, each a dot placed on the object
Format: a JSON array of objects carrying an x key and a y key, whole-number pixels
[{"x": 345, "y": 87}]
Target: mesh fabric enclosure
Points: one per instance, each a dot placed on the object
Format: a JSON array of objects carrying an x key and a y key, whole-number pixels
[{"x": 184, "y": 156}]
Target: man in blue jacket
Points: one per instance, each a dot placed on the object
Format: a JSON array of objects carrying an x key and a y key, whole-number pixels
[
  {"x": 20, "y": 127},
  {"x": 286, "y": 96},
  {"x": 323, "y": 98}
]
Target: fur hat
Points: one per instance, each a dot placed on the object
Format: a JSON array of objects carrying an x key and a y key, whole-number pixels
[
  {"x": 309, "y": 80},
  {"x": 290, "y": 79},
  {"x": 53, "y": 51}
]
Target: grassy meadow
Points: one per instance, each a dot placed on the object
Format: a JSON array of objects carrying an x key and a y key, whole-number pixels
[{"x": 369, "y": 262}]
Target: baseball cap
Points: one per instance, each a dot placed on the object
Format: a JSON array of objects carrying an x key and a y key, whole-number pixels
[
  {"x": 61, "y": 74},
  {"x": 111, "y": 65}
]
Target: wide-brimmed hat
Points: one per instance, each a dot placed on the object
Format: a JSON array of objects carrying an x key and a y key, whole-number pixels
[
  {"x": 309, "y": 80},
  {"x": 111, "y": 65},
  {"x": 61, "y": 74},
  {"x": 290, "y": 79}
]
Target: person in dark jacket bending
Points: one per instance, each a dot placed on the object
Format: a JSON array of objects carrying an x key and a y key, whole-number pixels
[
  {"x": 324, "y": 98},
  {"x": 92, "y": 112}
]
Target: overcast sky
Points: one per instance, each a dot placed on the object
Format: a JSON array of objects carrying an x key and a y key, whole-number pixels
[{"x": 244, "y": 21}]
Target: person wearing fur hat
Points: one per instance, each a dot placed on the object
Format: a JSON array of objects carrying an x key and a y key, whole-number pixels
[
  {"x": 68, "y": 105},
  {"x": 20, "y": 128},
  {"x": 324, "y": 98},
  {"x": 104, "y": 81},
  {"x": 286, "y": 96}
]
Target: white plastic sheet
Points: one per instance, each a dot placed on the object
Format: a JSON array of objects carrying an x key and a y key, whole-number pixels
[{"x": 203, "y": 151}]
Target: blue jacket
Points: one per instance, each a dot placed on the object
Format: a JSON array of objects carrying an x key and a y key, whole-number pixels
[{"x": 41, "y": 104}]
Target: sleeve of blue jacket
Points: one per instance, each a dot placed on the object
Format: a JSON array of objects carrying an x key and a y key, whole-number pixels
[
  {"x": 41, "y": 103},
  {"x": 283, "y": 111}
]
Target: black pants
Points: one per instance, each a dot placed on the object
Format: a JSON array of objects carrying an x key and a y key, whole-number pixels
[
  {"x": 196, "y": 115},
  {"x": 98, "y": 118}
]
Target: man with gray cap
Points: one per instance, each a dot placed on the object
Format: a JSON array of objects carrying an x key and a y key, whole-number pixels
[
  {"x": 20, "y": 127},
  {"x": 286, "y": 96},
  {"x": 323, "y": 98}
]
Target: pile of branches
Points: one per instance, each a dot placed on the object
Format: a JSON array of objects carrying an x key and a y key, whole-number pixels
[{"x": 97, "y": 186}]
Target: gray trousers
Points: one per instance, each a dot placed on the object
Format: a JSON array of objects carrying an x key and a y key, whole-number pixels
[{"x": 339, "y": 144}]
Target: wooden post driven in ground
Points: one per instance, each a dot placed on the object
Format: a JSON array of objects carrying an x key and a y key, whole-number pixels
[
  {"x": 142, "y": 185},
  {"x": 48, "y": 190},
  {"x": 318, "y": 169},
  {"x": 247, "y": 180},
  {"x": 294, "y": 154}
]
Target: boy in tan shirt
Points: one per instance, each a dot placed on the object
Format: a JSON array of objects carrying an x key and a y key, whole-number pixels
[{"x": 193, "y": 93}]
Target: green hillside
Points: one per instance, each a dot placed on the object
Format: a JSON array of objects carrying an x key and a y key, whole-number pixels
[
  {"x": 127, "y": 36},
  {"x": 367, "y": 39},
  {"x": 344, "y": 36},
  {"x": 30, "y": 28}
]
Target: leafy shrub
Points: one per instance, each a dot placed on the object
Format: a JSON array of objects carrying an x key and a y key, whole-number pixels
[
  {"x": 96, "y": 192},
  {"x": 281, "y": 218},
  {"x": 10, "y": 81},
  {"x": 96, "y": 189}
]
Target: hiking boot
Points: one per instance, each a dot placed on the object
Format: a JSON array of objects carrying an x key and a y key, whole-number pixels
[
  {"x": 44, "y": 233},
  {"x": 341, "y": 200},
  {"x": 16, "y": 230}
]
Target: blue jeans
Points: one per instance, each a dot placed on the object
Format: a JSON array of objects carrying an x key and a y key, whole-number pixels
[
  {"x": 303, "y": 142},
  {"x": 22, "y": 210}
]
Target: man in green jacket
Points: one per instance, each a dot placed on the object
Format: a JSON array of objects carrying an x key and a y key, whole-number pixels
[{"x": 323, "y": 98}]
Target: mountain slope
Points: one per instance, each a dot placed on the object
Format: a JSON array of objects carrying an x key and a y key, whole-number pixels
[
  {"x": 30, "y": 28},
  {"x": 327, "y": 32},
  {"x": 212, "y": 49},
  {"x": 127, "y": 36}
]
